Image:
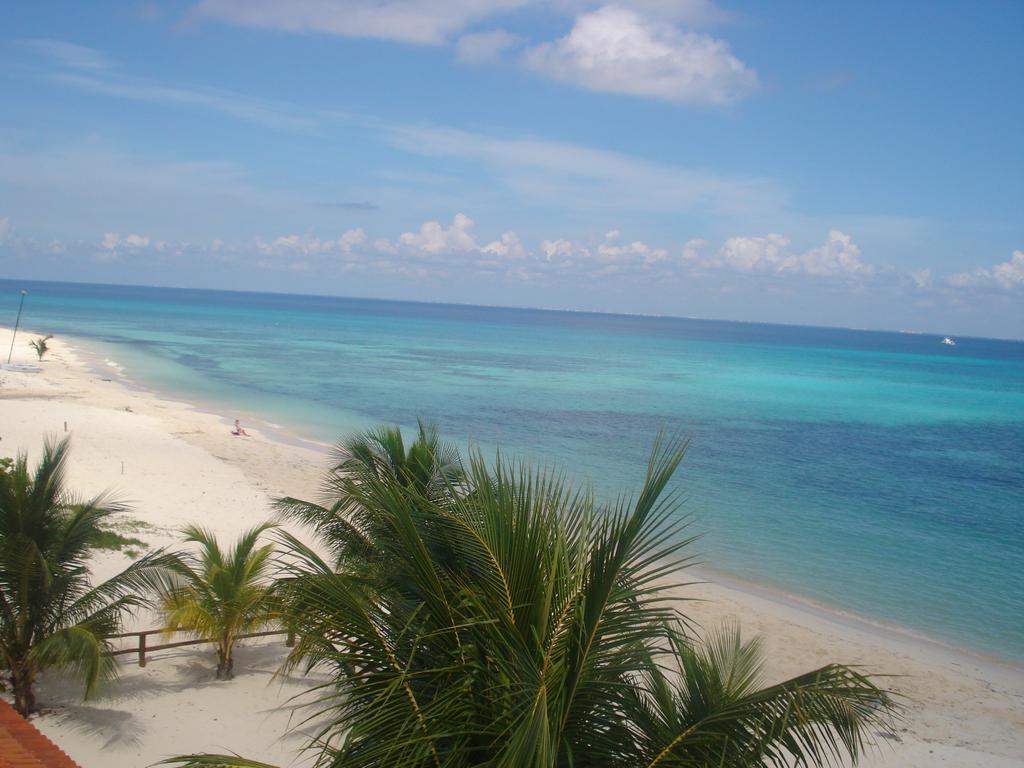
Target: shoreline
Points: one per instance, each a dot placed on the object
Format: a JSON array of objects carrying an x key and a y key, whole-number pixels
[
  {"x": 89, "y": 355},
  {"x": 93, "y": 356},
  {"x": 964, "y": 708},
  {"x": 895, "y": 634}
]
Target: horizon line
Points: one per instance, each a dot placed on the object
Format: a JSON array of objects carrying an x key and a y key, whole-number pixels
[{"x": 429, "y": 302}]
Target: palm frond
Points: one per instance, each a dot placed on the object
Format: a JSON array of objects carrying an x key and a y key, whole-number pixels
[
  {"x": 213, "y": 761},
  {"x": 50, "y": 613},
  {"x": 490, "y": 613}
]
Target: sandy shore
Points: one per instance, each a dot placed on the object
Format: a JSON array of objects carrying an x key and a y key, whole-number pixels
[{"x": 177, "y": 464}]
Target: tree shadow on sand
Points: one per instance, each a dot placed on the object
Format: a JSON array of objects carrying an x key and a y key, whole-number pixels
[{"x": 118, "y": 714}]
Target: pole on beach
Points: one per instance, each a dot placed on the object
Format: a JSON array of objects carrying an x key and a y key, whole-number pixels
[{"x": 14, "y": 335}]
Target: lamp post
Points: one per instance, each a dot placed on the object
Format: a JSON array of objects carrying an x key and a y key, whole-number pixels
[{"x": 14, "y": 335}]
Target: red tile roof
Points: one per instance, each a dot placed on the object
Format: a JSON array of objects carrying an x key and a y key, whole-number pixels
[{"x": 23, "y": 746}]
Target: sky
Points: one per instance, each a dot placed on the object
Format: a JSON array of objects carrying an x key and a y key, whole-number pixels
[{"x": 856, "y": 164}]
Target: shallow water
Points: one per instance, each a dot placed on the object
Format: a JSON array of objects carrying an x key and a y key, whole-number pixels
[{"x": 878, "y": 472}]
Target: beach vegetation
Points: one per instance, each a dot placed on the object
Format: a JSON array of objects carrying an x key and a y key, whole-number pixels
[
  {"x": 500, "y": 616},
  {"x": 220, "y": 594},
  {"x": 109, "y": 539},
  {"x": 51, "y": 615},
  {"x": 40, "y": 345},
  {"x": 115, "y": 536}
]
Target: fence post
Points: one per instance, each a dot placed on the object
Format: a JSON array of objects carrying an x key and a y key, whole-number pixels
[
  {"x": 290, "y": 642},
  {"x": 142, "y": 649}
]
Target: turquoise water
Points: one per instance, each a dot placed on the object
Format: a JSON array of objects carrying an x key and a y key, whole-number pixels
[{"x": 878, "y": 472}]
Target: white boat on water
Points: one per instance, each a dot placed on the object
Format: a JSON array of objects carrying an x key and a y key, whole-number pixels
[{"x": 949, "y": 342}]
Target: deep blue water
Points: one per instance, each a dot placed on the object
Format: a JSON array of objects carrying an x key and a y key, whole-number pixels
[{"x": 882, "y": 473}]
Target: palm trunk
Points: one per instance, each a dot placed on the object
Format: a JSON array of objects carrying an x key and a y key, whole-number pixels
[
  {"x": 22, "y": 679},
  {"x": 225, "y": 663}
]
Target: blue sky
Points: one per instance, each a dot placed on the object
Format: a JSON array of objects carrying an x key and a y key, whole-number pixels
[{"x": 855, "y": 164}]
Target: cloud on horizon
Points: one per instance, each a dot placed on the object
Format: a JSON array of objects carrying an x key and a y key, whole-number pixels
[
  {"x": 440, "y": 250},
  {"x": 452, "y": 258},
  {"x": 1007, "y": 275},
  {"x": 838, "y": 256}
]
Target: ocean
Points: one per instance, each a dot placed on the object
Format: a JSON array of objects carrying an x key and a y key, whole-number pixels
[{"x": 881, "y": 474}]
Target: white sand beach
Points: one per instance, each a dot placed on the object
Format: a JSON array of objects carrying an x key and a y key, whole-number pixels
[{"x": 178, "y": 464}]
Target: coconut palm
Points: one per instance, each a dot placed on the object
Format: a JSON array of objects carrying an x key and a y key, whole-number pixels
[
  {"x": 352, "y": 532},
  {"x": 514, "y": 621},
  {"x": 51, "y": 616},
  {"x": 220, "y": 594}
]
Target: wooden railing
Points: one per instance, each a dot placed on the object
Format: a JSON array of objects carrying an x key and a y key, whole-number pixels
[{"x": 142, "y": 647}]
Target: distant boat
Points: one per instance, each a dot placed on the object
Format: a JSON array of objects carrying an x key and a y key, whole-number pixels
[{"x": 949, "y": 342}]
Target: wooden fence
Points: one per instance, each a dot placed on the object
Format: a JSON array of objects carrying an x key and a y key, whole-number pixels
[{"x": 142, "y": 647}]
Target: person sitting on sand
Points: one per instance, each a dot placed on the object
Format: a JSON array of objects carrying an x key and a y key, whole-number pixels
[{"x": 238, "y": 430}]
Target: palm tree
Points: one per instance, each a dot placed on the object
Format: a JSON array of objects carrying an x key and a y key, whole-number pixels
[
  {"x": 353, "y": 533},
  {"x": 50, "y": 614},
  {"x": 218, "y": 594},
  {"x": 513, "y": 621},
  {"x": 40, "y": 345}
]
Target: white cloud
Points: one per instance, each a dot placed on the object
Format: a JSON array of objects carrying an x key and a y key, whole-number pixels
[
  {"x": 636, "y": 252},
  {"x": 1010, "y": 274},
  {"x": 508, "y": 247},
  {"x": 746, "y": 254},
  {"x": 632, "y": 46},
  {"x": 692, "y": 250},
  {"x": 545, "y": 172},
  {"x": 113, "y": 241},
  {"x": 114, "y": 245},
  {"x": 602, "y": 259},
  {"x": 615, "y": 49},
  {"x": 424, "y": 22},
  {"x": 295, "y": 244},
  {"x": 432, "y": 238},
  {"x": 562, "y": 249},
  {"x": 350, "y": 239},
  {"x": 443, "y": 252},
  {"x": 1007, "y": 275},
  {"x": 484, "y": 47},
  {"x": 382, "y": 245},
  {"x": 921, "y": 278},
  {"x": 308, "y": 245},
  {"x": 838, "y": 256}
]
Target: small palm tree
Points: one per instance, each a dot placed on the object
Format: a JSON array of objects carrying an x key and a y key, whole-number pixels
[
  {"x": 220, "y": 594},
  {"x": 51, "y": 616},
  {"x": 40, "y": 345}
]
